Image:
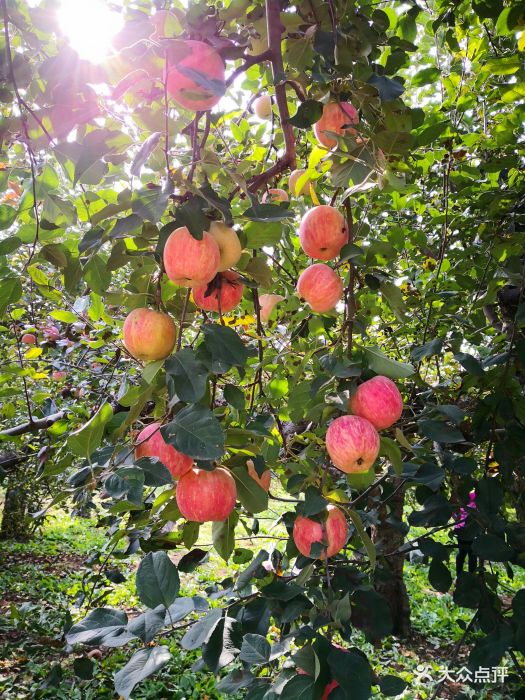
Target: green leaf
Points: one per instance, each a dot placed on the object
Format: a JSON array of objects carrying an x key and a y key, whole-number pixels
[
  {"x": 235, "y": 396},
  {"x": 144, "y": 152},
  {"x": 261, "y": 273},
  {"x": 150, "y": 204},
  {"x": 489, "y": 650},
  {"x": 308, "y": 113},
  {"x": 387, "y": 88},
  {"x": 157, "y": 580},
  {"x": 148, "y": 624},
  {"x": 97, "y": 275},
  {"x": 390, "y": 449},
  {"x": 155, "y": 473},
  {"x": 195, "y": 432},
  {"x": 8, "y": 245},
  {"x": 7, "y": 216},
  {"x": 298, "y": 688},
  {"x": 187, "y": 374},
  {"x": 10, "y": 292},
  {"x": 225, "y": 347},
  {"x": 142, "y": 664},
  {"x": 430, "y": 349},
  {"x": 440, "y": 432},
  {"x": 492, "y": 548},
  {"x": 201, "y": 631},
  {"x": 223, "y": 645},
  {"x": 64, "y": 316},
  {"x": 250, "y": 494},
  {"x": 99, "y": 624},
  {"x": 255, "y": 649},
  {"x": 223, "y": 536},
  {"x": 470, "y": 364},
  {"x": 84, "y": 441},
  {"x": 392, "y": 685},
  {"x": 365, "y": 538},
  {"x": 381, "y": 364},
  {"x": 352, "y": 671}
]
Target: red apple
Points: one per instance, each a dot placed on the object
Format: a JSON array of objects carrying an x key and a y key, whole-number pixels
[
  {"x": 320, "y": 286},
  {"x": 149, "y": 335},
  {"x": 332, "y": 532},
  {"x": 51, "y": 333},
  {"x": 267, "y": 303},
  {"x": 152, "y": 444},
  {"x": 195, "y": 76},
  {"x": 352, "y": 443},
  {"x": 379, "y": 401},
  {"x": 264, "y": 480},
  {"x": 262, "y": 106},
  {"x": 323, "y": 232},
  {"x": 189, "y": 262},
  {"x": 58, "y": 376},
  {"x": 223, "y": 293},
  {"x": 29, "y": 339},
  {"x": 336, "y": 118},
  {"x": 275, "y": 195},
  {"x": 204, "y": 496}
]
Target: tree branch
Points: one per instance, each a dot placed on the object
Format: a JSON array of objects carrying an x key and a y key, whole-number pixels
[
  {"x": 33, "y": 426},
  {"x": 248, "y": 62}
]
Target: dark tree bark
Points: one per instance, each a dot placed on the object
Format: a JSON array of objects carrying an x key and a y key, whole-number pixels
[
  {"x": 15, "y": 524},
  {"x": 389, "y": 581}
]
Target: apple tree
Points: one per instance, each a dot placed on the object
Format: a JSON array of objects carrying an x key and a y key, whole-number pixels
[{"x": 270, "y": 253}]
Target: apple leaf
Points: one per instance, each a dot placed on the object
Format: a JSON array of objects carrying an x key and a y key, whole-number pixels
[{"x": 381, "y": 364}]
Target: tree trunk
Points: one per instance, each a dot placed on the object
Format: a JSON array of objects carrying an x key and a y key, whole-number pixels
[
  {"x": 15, "y": 525},
  {"x": 389, "y": 581}
]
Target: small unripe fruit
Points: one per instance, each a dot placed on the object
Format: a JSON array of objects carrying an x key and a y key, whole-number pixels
[
  {"x": 379, "y": 401},
  {"x": 264, "y": 480},
  {"x": 323, "y": 232},
  {"x": 189, "y": 262},
  {"x": 267, "y": 303},
  {"x": 222, "y": 294},
  {"x": 29, "y": 339},
  {"x": 149, "y": 335},
  {"x": 58, "y": 376},
  {"x": 337, "y": 118},
  {"x": 332, "y": 533},
  {"x": 320, "y": 286},
  {"x": 230, "y": 248},
  {"x": 262, "y": 106},
  {"x": 150, "y": 443},
  {"x": 295, "y": 175},
  {"x": 352, "y": 443},
  {"x": 204, "y": 496},
  {"x": 193, "y": 73},
  {"x": 275, "y": 195}
]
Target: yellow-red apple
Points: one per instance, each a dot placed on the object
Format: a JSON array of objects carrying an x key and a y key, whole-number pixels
[
  {"x": 320, "y": 286},
  {"x": 29, "y": 338},
  {"x": 295, "y": 176},
  {"x": 379, "y": 401},
  {"x": 323, "y": 232},
  {"x": 337, "y": 118},
  {"x": 262, "y": 106},
  {"x": 264, "y": 480},
  {"x": 196, "y": 79},
  {"x": 267, "y": 303},
  {"x": 222, "y": 294},
  {"x": 352, "y": 443},
  {"x": 58, "y": 376},
  {"x": 331, "y": 533},
  {"x": 274, "y": 194},
  {"x": 189, "y": 262},
  {"x": 150, "y": 443},
  {"x": 204, "y": 496},
  {"x": 229, "y": 244},
  {"x": 149, "y": 335},
  {"x": 51, "y": 333}
]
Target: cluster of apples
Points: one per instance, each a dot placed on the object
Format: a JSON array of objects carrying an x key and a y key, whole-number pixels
[
  {"x": 201, "y": 495},
  {"x": 352, "y": 442}
]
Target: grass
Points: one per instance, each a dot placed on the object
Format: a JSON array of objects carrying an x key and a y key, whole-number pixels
[{"x": 42, "y": 582}]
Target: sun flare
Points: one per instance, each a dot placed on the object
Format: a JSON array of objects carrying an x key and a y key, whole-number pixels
[{"x": 89, "y": 26}]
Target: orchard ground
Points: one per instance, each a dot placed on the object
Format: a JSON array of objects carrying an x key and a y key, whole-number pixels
[{"x": 54, "y": 567}]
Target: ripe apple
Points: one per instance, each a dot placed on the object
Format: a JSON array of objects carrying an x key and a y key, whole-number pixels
[
  {"x": 29, "y": 338},
  {"x": 230, "y": 248},
  {"x": 275, "y": 195},
  {"x": 320, "y": 286},
  {"x": 267, "y": 303},
  {"x": 295, "y": 175},
  {"x": 222, "y": 294},
  {"x": 332, "y": 533},
  {"x": 51, "y": 333},
  {"x": 352, "y": 443},
  {"x": 262, "y": 106},
  {"x": 264, "y": 480},
  {"x": 199, "y": 60},
  {"x": 189, "y": 262},
  {"x": 323, "y": 232},
  {"x": 204, "y": 496},
  {"x": 58, "y": 376},
  {"x": 149, "y": 335},
  {"x": 379, "y": 401},
  {"x": 336, "y": 118},
  {"x": 152, "y": 444}
]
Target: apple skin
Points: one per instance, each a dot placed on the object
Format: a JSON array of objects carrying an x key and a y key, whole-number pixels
[
  {"x": 51, "y": 333},
  {"x": 230, "y": 248},
  {"x": 262, "y": 106},
  {"x": 29, "y": 339},
  {"x": 320, "y": 286},
  {"x": 149, "y": 335},
  {"x": 225, "y": 287},
  {"x": 264, "y": 480},
  {"x": 274, "y": 194},
  {"x": 189, "y": 262},
  {"x": 307, "y": 531},
  {"x": 58, "y": 376},
  {"x": 379, "y": 401},
  {"x": 201, "y": 58},
  {"x": 352, "y": 443},
  {"x": 334, "y": 118},
  {"x": 295, "y": 175},
  {"x": 204, "y": 496},
  {"x": 267, "y": 303},
  {"x": 155, "y": 446},
  {"x": 323, "y": 232}
]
